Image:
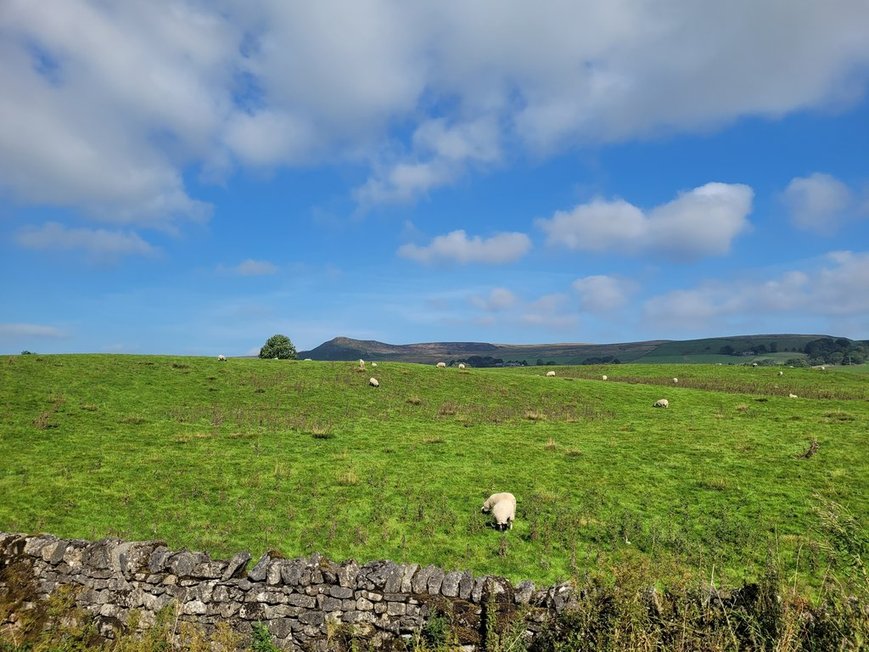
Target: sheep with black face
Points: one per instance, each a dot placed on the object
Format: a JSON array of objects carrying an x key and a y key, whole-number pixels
[{"x": 502, "y": 506}]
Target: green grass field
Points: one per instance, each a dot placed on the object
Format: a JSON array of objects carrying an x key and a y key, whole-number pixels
[{"x": 305, "y": 456}]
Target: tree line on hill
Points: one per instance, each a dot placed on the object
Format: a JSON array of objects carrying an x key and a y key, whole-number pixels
[{"x": 824, "y": 350}]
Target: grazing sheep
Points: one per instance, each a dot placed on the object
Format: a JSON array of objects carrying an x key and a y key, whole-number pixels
[
  {"x": 823, "y": 368},
  {"x": 373, "y": 364},
  {"x": 550, "y": 373},
  {"x": 662, "y": 402},
  {"x": 461, "y": 365},
  {"x": 603, "y": 377},
  {"x": 503, "y": 509},
  {"x": 441, "y": 365},
  {"x": 308, "y": 360},
  {"x": 753, "y": 364},
  {"x": 675, "y": 380},
  {"x": 361, "y": 363},
  {"x": 792, "y": 396},
  {"x": 373, "y": 382},
  {"x": 221, "y": 358},
  {"x": 781, "y": 373}
]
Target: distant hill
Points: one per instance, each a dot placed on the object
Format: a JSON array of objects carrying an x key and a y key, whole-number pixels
[{"x": 718, "y": 349}]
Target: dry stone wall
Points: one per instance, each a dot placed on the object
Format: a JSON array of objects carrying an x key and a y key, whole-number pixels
[{"x": 299, "y": 600}]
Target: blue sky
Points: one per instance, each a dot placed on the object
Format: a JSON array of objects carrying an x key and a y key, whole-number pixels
[{"x": 193, "y": 177}]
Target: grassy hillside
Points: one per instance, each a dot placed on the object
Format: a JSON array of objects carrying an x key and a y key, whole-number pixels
[{"x": 305, "y": 456}]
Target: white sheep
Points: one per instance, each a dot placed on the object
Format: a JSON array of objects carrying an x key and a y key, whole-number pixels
[
  {"x": 308, "y": 360},
  {"x": 550, "y": 374},
  {"x": 361, "y": 363},
  {"x": 503, "y": 509},
  {"x": 373, "y": 382},
  {"x": 461, "y": 365},
  {"x": 675, "y": 380},
  {"x": 662, "y": 402},
  {"x": 792, "y": 396},
  {"x": 781, "y": 373},
  {"x": 753, "y": 364},
  {"x": 442, "y": 365},
  {"x": 603, "y": 377},
  {"x": 373, "y": 364},
  {"x": 221, "y": 358}
]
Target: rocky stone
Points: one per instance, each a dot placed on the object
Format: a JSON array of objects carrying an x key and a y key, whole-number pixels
[
  {"x": 340, "y": 592},
  {"x": 182, "y": 563},
  {"x": 466, "y": 586},
  {"x": 347, "y": 574},
  {"x": 326, "y": 603},
  {"x": 194, "y": 607},
  {"x": 407, "y": 577},
  {"x": 396, "y": 608},
  {"x": 524, "y": 592},
  {"x": 273, "y": 575},
  {"x": 450, "y": 584},
  {"x": 258, "y": 573},
  {"x": 314, "y": 618},
  {"x": 420, "y": 579},
  {"x": 299, "y": 600},
  {"x": 236, "y": 566},
  {"x": 435, "y": 581},
  {"x": 364, "y": 605}
]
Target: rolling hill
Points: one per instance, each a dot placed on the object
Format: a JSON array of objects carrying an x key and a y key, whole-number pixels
[{"x": 701, "y": 350}]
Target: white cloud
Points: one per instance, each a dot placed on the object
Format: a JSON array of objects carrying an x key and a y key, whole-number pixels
[
  {"x": 701, "y": 222},
  {"x": 106, "y": 106},
  {"x": 818, "y": 203},
  {"x": 457, "y": 247},
  {"x": 601, "y": 293},
  {"x": 98, "y": 244},
  {"x": 548, "y": 312},
  {"x": 498, "y": 299},
  {"x": 441, "y": 153},
  {"x": 250, "y": 267},
  {"x": 836, "y": 287},
  {"x": 19, "y": 331}
]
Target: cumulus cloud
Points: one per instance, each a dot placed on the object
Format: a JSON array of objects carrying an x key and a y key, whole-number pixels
[
  {"x": 457, "y": 247},
  {"x": 97, "y": 244},
  {"x": 601, "y": 293},
  {"x": 22, "y": 331},
  {"x": 107, "y": 106},
  {"x": 549, "y": 311},
  {"x": 818, "y": 203},
  {"x": 701, "y": 222},
  {"x": 250, "y": 267},
  {"x": 498, "y": 299},
  {"x": 837, "y": 287}
]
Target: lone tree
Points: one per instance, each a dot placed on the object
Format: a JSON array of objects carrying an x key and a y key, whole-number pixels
[{"x": 278, "y": 346}]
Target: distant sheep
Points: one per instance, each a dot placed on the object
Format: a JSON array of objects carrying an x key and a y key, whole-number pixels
[
  {"x": 503, "y": 509},
  {"x": 361, "y": 363},
  {"x": 753, "y": 364},
  {"x": 373, "y": 364},
  {"x": 442, "y": 365},
  {"x": 374, "y": 382},
  {"x": 662, "y": 402},
  {"x": 550, "y": 374},
  {"x": 308, "y": 360},
  {"x": 792, "y": 396},
  {"x": 675, "y": 380},
  {"x": 781, "y": 373},
  {"x": 221, "y": 358},
  {"x": 461, "y": 365},
  {"x": 603, "y": 377}
]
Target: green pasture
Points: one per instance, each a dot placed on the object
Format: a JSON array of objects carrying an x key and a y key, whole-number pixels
[{"x": 305, "y": 456}]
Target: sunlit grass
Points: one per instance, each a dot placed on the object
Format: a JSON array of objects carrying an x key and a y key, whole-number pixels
[{"x": 304, "y": 457}]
